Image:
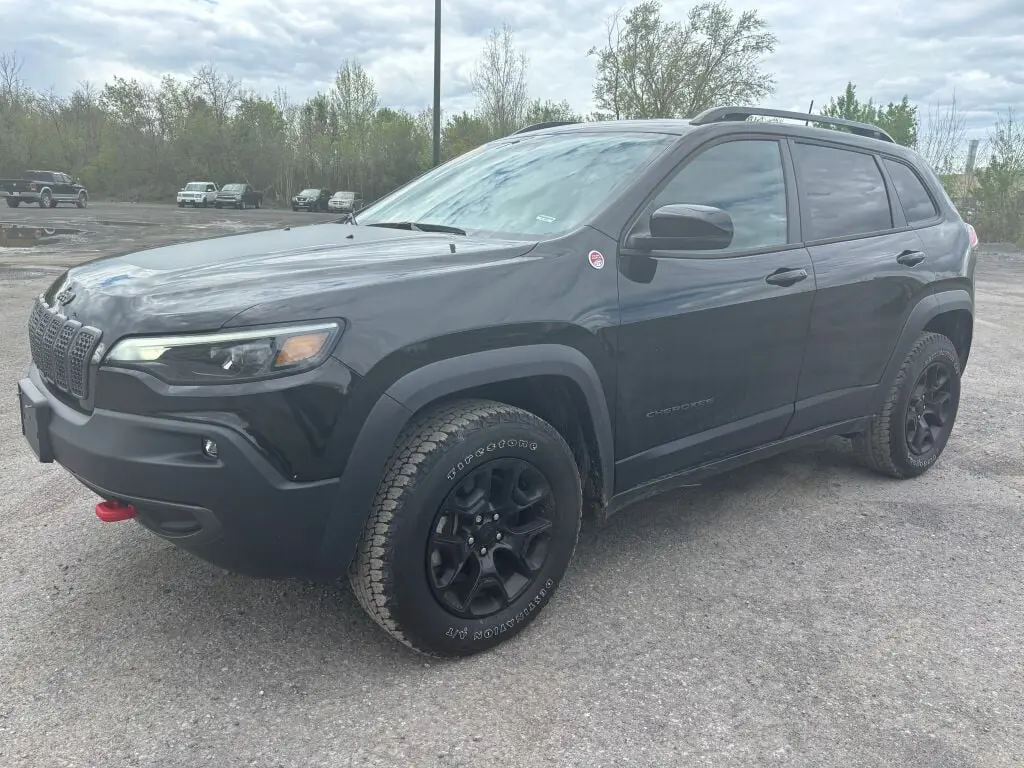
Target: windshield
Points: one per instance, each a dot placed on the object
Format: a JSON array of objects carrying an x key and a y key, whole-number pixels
[
  {"x": 309, "y": 193},
  {"x": 344, "y": 195},
  {"x": 538, "y": 185},
  {"x": 231, "y": 188},
  {"x": 195, "y": 186}
]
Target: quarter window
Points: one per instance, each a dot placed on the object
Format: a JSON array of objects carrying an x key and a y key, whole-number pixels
[
  {"x": 744, "y": 179},
  {"x": 843, "y": 192},
  {"x": 917, "y": 203}
]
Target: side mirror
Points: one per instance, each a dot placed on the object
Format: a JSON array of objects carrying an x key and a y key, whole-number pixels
[{"x": 686, "y": 227}]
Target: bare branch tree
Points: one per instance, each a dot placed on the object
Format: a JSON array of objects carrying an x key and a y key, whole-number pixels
[
  {"x": 499, "y": 82},
  {"x": 12, "y": 87},
  {"x": 942, "y": 140}
]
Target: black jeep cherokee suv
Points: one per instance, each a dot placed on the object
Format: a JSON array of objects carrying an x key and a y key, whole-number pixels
[{"x": 561, "y": 322}]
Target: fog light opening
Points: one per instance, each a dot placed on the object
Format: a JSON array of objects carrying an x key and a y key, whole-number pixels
[{"x": 209, "y": 448}]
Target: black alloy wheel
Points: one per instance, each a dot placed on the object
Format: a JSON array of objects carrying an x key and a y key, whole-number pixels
[
  {"x": 490, "y": 538},
  {"x": 929, "y": 410}
]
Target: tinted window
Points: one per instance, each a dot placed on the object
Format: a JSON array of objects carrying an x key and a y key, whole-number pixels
[
  {"x": 744, "y": 179},
  {"x": 844, "y": 192},
  {"x": 917, "y": 203},
  {"x": 539, "y": 185}
]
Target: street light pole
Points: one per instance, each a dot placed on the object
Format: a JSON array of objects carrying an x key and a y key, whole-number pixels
[{"x": 437, "y": 83}]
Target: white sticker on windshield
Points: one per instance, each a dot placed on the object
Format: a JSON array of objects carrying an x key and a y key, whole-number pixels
[{"x": 545, "y": 219}]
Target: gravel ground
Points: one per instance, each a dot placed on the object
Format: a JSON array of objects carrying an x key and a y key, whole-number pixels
[{"x": 797, "y": 612}]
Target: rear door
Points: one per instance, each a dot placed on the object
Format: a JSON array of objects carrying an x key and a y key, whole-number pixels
[
  {"x": 64, "y": 188},
  {"x": 710, "y": 342},
  {"x": 870, "y": 269}
]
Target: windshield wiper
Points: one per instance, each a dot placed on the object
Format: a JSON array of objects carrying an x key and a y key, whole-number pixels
[{"x": 419, "y": 227}]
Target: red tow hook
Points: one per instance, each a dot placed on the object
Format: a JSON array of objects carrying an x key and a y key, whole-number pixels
[{"x": 114, "y": 511}]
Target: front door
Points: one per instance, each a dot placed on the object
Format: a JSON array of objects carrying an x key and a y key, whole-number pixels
[{"x": 711, "y": 342}]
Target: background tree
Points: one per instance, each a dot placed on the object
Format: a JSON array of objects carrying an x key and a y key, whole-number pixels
[
  {"x": 941, "y": 140},
  {"x": 651, "y": 68},
  {"x": 899, "y": 120},
  {"x": 999, "y": 193},
  {"x": 549, "y": 111},
  {"x": 499, "y": 82}
]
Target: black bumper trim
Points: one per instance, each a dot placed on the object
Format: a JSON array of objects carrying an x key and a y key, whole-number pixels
[{"x": 236, "y": 511}]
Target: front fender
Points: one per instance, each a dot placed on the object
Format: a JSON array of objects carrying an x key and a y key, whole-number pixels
[{"x": 421, "y": 387}]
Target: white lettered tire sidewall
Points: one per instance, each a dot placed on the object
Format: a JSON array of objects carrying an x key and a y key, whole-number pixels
[{"x": 413, "y": 606}]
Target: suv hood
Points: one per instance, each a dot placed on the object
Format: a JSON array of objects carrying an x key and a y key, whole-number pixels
[{"x": 201, "y": 285}]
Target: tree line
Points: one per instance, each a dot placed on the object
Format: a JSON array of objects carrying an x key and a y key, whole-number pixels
[{"x": 131, "y": 140}]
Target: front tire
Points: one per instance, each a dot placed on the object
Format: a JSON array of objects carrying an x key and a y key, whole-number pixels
[
  {"x": 472, "y": 528},
  {"x": 46, "y": 200},
  {"x": 907, "y": 436},
  {"x": 83, "y": 200}
]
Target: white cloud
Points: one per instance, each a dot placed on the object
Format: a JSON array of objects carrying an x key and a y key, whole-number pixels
[{"x": 922, "y": 48}]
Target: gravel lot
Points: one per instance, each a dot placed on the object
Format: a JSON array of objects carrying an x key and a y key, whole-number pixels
[{"x": 798, "y": 612}]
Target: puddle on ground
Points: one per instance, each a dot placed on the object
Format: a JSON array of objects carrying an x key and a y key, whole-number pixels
[
  {"x": 119, "y": 223},
  {"x": 21, "y": 236}
]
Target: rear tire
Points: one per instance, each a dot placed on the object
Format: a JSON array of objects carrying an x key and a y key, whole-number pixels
[
  {"x": 907, "y": 436},
  {"x": 449, "y": 568},
  {"x": 13, "y": 203},
  {"x": 46, "y": 199}
]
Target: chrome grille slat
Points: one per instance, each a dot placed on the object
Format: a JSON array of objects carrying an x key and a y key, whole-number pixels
[{"x": 62, "y": 349}]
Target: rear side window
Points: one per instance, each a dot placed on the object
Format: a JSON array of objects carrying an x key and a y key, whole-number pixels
[
  {"x": 843, "y": 192},
  {"x": 917, "y": 203}
]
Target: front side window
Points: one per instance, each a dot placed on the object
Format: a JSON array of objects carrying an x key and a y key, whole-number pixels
[
  {"x": 843, "y": 192},
  {"x": 743, "y": 178},
  {"x": 529, "y": 186},
  {"x": 917, "y": 203}
]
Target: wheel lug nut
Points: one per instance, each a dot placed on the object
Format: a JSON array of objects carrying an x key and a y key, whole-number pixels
[
  {"x": 498, "y": 536},
  {"x": 479, "y": 519},
  {"x": 483, "y": 550},
  {"x": 471, "y": 541}
]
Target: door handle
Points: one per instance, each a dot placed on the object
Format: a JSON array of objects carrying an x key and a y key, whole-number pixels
[
  {"x": 786, "y": 277},
  {"x": 910, "y": 258}
]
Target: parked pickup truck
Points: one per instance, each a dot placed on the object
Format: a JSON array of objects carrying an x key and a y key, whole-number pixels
[
  {"x": 238, "y": 196},
  {"x": 45, "y": 188},
  {"x": 198, "y": 194}
]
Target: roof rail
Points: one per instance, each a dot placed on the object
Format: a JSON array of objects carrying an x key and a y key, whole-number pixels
[
  {"x": 739, "y": 114},
  {"x": 539, "y": 126}
]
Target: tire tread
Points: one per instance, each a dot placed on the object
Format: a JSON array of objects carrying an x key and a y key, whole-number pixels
[
  {"x": 420, "y": 445},
  {"x": 873, "y": 446}
]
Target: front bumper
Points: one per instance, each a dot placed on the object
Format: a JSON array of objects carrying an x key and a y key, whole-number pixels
[{"x": 236, "y": 510}]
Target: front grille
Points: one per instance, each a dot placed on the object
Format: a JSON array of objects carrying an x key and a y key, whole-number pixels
[{"x": 61, "y": 350}]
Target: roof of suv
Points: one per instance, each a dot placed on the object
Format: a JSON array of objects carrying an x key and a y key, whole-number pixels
[{"x": 858, "y": 134}]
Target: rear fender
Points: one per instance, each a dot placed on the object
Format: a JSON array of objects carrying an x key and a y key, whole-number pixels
[{"x": 927, "y": 310}]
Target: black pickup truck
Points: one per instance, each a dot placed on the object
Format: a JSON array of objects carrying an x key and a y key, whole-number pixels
[
  {"x": 238, "y": 196},
  {"x": 46, "y": 188}
]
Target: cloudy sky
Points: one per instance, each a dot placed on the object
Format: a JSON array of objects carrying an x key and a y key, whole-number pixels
[{"x": 926, "y": 49}]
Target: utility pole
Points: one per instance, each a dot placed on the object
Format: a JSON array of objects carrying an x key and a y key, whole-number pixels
[{"x": 437, "y": 83}]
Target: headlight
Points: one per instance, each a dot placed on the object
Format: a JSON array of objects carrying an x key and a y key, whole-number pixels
[{"x": 230, "y": 356}]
